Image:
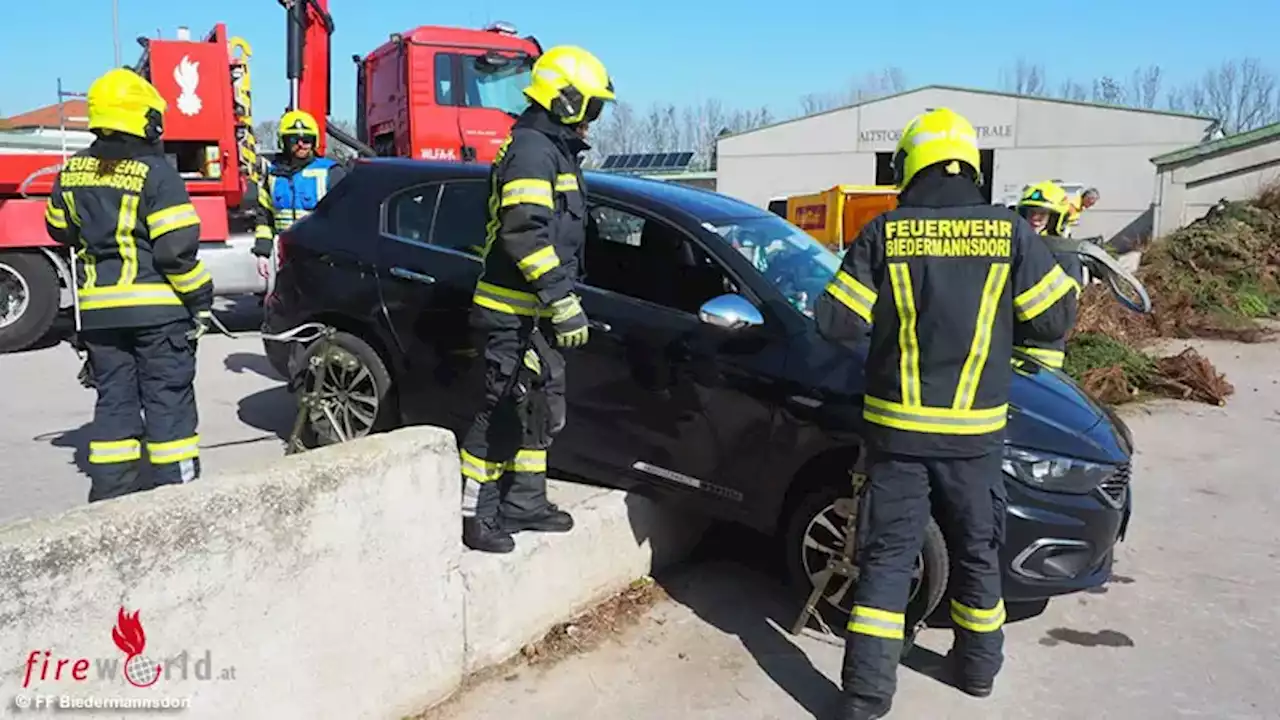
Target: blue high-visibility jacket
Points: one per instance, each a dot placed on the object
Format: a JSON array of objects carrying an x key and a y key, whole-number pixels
[{"x": 291, "y": 193}]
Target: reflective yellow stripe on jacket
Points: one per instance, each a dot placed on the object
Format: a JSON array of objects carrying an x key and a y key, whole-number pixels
[
  {"x": 512, "y": 302},
  {"x": 1043, "y": 294},
  {"x": 533, "y": 192},
  {"x": 123, "y": 296},
  {"x": 852, "y": 294},
  {"x": 1051, "y": 358}
]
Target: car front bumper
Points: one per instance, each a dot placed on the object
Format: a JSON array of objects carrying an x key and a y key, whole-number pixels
[{"x": 1056, "y": 544}]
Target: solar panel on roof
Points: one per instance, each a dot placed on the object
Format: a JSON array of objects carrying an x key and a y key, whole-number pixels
[
  {"x": 609, "y": 162},
  {"x": 684, "y": 160},
  {"x": 632, "y": 162},
  {"x": 647, "y": 161}
]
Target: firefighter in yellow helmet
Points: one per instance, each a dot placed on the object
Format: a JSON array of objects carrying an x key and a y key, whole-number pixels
[
  {"x": 295, "y": 183},
  {"x": 144, "y": 296},
  {"x": 524, "y": 305},
  {"x": 1045, "y": 205},
  {"x": 938, "y": 284}
]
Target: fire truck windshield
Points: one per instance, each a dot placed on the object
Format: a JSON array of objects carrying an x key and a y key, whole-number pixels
[{"x": 499, "y": 88}]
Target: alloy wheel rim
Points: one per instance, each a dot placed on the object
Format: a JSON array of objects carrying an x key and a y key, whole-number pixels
[
  {"x": 824, "y": 539},
  {"x": 15, "y": 296},
  {"x": 350, "y": 395}
]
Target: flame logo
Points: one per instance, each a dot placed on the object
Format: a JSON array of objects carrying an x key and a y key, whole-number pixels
[{"x": 132, "y": 640}]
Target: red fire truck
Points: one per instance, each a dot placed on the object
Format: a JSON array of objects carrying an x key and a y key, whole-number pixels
[{"x": 433, "y": 92}]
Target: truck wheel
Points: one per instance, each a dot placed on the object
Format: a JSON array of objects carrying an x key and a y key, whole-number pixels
[
  {"x": 29, "y": 299},
  {"x": 813, "y": 534}
]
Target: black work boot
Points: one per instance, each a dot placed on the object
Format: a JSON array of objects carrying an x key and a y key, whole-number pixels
[
  {"x": 549, "y": 519},
  {"x": 486, "y": 535},
  {"x": 979, "y": 687},
  {"x": 850, "y": 708}
]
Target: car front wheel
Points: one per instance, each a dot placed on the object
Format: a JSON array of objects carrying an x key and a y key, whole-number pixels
[{"x": 815, "y": 533}]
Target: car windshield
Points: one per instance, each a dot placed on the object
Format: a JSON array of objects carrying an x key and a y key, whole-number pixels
[
  {"x": 788, "y": 257},
  {"x": 498, "y": 88}
]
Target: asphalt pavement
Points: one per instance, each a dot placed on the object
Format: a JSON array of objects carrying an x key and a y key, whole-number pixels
[
  {"x": 1188, "y": 627},
  {"x": 245, "y": 411}
]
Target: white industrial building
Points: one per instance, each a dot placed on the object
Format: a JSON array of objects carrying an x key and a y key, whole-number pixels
[
  {"x": 1194, "y": 179},
  {"x": 1024, "y": 139}
]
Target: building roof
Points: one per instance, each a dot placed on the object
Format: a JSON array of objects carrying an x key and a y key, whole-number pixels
[
  {"x": 1265, "y": 133},
  {"x": 76, "y": 114},
  {"x": 978, "y": 91}
]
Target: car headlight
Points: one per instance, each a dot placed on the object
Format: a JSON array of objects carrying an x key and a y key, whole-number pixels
[{"x": 1054, "y": 473}]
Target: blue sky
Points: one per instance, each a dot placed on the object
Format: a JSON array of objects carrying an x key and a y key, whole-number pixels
[{"x": 676, "y": 50}]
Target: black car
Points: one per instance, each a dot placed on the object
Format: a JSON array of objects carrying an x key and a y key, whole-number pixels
[{"x": 704, "y": 383}]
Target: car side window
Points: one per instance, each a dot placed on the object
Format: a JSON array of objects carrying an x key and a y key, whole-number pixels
[
  {"x": 410, "y": 212},
  {"x": 648, "y": 259},
  {"x": 460, "y": 218}
]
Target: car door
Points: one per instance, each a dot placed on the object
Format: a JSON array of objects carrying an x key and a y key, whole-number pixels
[
  {"x": 428, "y": 265},
  {"x": 658, "y": 399}
]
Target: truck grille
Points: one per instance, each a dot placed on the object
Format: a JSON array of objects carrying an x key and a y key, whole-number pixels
[{"x": 1115, "y": 490}]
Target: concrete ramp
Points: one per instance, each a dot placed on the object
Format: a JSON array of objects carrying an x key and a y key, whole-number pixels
[{"x": 329, "y": 584}]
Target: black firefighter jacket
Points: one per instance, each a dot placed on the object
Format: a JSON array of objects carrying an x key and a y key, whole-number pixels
[
  {"x": 1053, "y": 352},
  {"x": 941, "y": 282},
  {"x": 537, "y": 221},
  {"x": 128, "y": 213}
]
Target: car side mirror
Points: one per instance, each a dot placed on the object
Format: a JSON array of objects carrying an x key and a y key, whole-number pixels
[{"x": 731, "y": 312}]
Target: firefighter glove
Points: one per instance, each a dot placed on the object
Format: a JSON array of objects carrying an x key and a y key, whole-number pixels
[
  {"x": 199, "y": 326},
  {"x": 570, "y": 322}
]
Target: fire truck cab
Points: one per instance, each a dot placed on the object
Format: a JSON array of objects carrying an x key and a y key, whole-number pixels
[{"x": 438, "y": 93}]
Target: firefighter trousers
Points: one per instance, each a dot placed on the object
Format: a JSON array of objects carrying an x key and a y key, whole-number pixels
[
  {"x": 504, "y": 453},
  {"x": 971, "y": 500},
  {"x": 145, "y": 378}
]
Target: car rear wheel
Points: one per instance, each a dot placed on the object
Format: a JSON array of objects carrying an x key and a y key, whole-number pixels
[
  {"x": 356, "y": 395},
  {"x": 815, "y": 533}
]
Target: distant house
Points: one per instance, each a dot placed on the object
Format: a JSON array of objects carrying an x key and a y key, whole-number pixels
[
  {"x": 75, "y": 114},
  {"x": 41, "y": 130}
]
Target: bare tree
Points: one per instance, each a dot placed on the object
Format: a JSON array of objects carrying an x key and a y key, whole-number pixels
[
  {"x": 1241, "y": 94},
  {"x": 1073, "y": 90},
  {"x": 886, "y": 81},
  {"x": 1144, "y": 86},
  {"x": 820, "y": 102},
  {"x": 1024, "y": 78},
  {"x": 1110, "y": 91},
  {"x": 618, "y": 131}
]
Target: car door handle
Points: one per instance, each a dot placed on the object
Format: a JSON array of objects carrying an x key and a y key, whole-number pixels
[
  {"x": 601, "y": 326},
  {"x": 411, "y": 275}
]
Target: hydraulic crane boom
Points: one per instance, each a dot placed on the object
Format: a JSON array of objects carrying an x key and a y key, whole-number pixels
[{"x": 309, "y": 29}]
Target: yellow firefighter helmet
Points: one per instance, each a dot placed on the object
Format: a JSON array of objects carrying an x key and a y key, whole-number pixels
[
  {"x": 937, "y": 136},
  {"x": 123, "y": 101},
  {"x": 570, "y": 83}
]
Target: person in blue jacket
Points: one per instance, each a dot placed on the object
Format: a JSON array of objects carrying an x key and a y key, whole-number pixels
[{"x": 296, "y": 182}]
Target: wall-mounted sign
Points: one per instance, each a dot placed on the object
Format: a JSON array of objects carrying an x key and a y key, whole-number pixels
[{"x": 984, "y": 131}]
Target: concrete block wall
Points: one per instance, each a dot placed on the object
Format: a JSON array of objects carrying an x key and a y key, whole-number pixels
[{"x": 330, "y": 584}]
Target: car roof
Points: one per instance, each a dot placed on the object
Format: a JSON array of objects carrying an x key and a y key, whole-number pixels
[{"x": 703, "y": 205}]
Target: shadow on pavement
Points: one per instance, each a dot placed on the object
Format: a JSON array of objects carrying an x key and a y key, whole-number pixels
[
  {"x": 273, "y": 410},
  {"x": 759, "y": 623},
  {"x": 76, "y": 439},
  {"x": 252, "y": 362}
]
